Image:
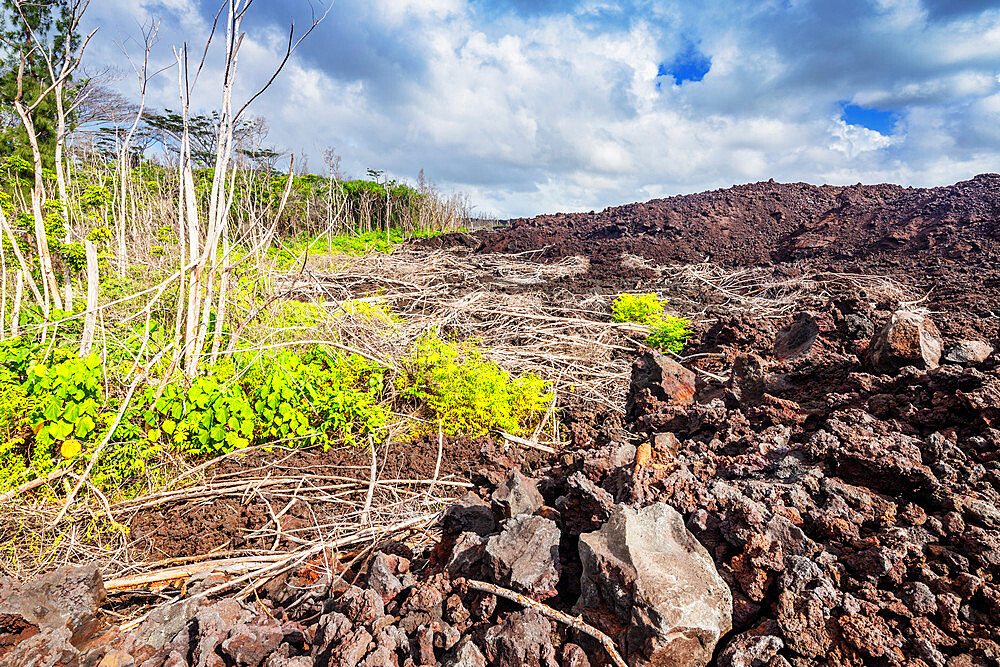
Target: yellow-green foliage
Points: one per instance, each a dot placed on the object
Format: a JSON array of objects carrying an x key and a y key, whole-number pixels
[
  {"x": 666, "y": 332},
  {"x": 638, "y": 308},
  {"x": 670, "y": 333},
  {"x": 469, "y": 393},
  {"x": 14, "y": 406},
  {"x": 374, "y": 312},
  {"x": 301, "y": 314}
]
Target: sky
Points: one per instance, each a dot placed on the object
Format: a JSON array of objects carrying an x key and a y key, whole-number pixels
[{"x": 539, "y": 106}]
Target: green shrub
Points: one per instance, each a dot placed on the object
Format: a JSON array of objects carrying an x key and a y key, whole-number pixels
[
  {"x": 68, "y": 398},
  {"x": 310, "y": 399},
  {"x": 638, "y": 308},
  {"x": 210, "y": 418},
  {"x": 670, "y": 333},
  {"x": 469, "y": 393}
]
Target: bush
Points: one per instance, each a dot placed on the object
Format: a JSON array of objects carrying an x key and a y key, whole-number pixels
[
  {"x": 666, "y": 332},
  {"x": 641, "y": 308},
  {"x": 469, "y": 393},
  {"x": 670, "y": 334},
  {"x": 309, "y": 399}
]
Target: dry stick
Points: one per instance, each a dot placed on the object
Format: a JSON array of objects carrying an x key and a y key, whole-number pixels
[
  {"x": 90, "y": 320},
  {"x": 18, "y": 292},
  {"x": 33, "y": 484},
  {"x": 100, "y": 448},
  {"x": 526, "y": 443},
  {"x": 371, "y": 486},
  {"x": 545, "y": 610}
]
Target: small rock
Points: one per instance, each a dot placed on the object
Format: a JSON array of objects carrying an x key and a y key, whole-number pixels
[
  {"x": 749, "y": 650},
  {"x": 525, "y": 556},
  {"x": 574, "y": 656},
  {"x": 858, "y": 327},
  {"x": 907, "y": 339},
  {"x": 523, "y": 639},
  {"x": 666, "y": 444},
  {"x": 382, "y": 575},
  {"x": 585, "y": 506},
  {"x": 466, "y": 553},
  {"x": 517, "y": 494},
  {"x": 250, "y": 645},
  {"x": 646, "y": 569},
  {"x": 796, "y": 339},
  {"x": 362, "y": 606},
  {"x": 468, "y": 514},
  {"x": 464, "y": 654},
  {"x": 969, "y": 352},
  {"x": 116, "y": 659},
  {"x": 919, "y": 598},
  {"x": 664, "y": 378},
  {"x": 748, "y": 377}
]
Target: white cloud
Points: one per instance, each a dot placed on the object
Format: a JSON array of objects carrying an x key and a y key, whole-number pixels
[{"x": 561, "y": 111}]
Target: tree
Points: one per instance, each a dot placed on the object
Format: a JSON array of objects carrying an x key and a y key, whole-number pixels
[{"x": 34, "y": 34}]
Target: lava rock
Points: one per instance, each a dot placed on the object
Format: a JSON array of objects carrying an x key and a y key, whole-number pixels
[
  {"x": 468, "y": 514},
  {"x": 659, "y": 583},
  {"x": 464, "y": 654},
  {"x": 525, "y": 556},
  {"x": 517, "y": 494},
  {"x": 969, "y": 352},
  {"x": 665, "y": 379},
  {"x": 749, "y": 650},
  {"x": 68, "y": 598},
  {"x": 523, "y": 639},
  {"x": 907, "y": 339},
  {"x": 796, "y": 339}
]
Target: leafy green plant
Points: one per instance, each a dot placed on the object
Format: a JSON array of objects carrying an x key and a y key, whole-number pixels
[
  {"x": 670, "y": 333},
  {"x": 469, "y": 393},
  {"x": 210, "y": 418},
  {"x": 638, "y": 308},
  {"x": 666, "y": 332},
  {"x": 68, "y": 396}
]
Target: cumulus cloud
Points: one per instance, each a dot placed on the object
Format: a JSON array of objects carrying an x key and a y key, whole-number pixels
[{"x": 571, "y": 105}]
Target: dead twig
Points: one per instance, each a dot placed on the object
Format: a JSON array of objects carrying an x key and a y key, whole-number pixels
[{"x": 577, "y": 623}]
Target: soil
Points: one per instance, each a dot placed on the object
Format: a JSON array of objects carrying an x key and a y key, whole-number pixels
[{"x": 228, "y": 524}]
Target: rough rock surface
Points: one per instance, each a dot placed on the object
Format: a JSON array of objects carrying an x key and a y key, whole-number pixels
[
  {"x": 907, "y": 339},
  {"x": 517, "y": 494},
  {"x": 659, "y": 378},
  {"x": 525, "y": 556},
  {"x": 661, "y": 585},
  {"x": 969, "y": 352}
]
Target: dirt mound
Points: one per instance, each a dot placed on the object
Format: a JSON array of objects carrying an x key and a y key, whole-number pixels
[{"x": 768, "y": 222}]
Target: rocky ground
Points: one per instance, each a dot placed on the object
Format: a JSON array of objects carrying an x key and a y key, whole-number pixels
[{"x": 823, "y": 489}]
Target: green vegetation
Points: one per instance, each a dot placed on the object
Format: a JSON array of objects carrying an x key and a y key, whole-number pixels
[
  {"x": 666, "y": 332},
  {"x": 638, "y": 308},
  {"x": 669, "y": 334},
  {"x": 469, "y": 393}
]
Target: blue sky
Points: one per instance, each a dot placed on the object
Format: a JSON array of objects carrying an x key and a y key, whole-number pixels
[{"x": 533, "y": 106}]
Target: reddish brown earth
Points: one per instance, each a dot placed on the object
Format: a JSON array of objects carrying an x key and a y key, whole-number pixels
[{"x": 946, "y": 239}]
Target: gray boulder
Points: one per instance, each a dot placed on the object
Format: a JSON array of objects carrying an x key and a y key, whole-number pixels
[
  {"x": 517, "y": 494},
  {"x": 969, "y": 352},
  {"x": 525, "y": 556},
  {"x": 644, "y": 568}
]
